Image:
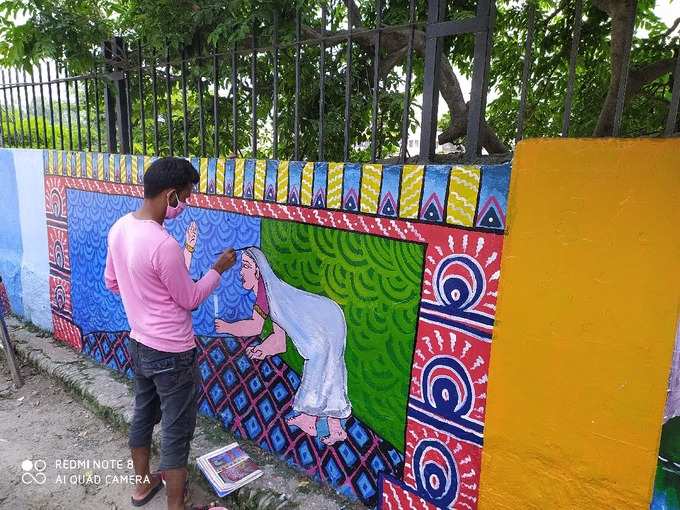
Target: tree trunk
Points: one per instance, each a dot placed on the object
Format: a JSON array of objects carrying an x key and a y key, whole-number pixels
[
  {"x": 622, "y": 14},
  {"x": 396, "y": 44}
]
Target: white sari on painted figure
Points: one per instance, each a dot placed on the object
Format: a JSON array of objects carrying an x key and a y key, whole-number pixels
[{"x": 316, "y": 325}]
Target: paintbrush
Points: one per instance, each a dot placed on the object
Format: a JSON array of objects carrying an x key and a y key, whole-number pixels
[{"x": 236, "y": 250}]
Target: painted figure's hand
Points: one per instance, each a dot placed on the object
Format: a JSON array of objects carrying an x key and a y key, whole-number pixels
[
  {"x": 265, "y": 349},
  {"x": 254, "y": 352},
  {"x": 192, "y": 236},
  {"x": 222, "y": 326}
]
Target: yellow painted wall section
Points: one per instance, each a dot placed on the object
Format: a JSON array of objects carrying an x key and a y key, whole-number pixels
[{"x": 585, "y": 328}]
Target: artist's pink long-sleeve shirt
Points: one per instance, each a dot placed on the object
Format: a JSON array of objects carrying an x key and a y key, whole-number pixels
[{"x": 145, "y": 264}]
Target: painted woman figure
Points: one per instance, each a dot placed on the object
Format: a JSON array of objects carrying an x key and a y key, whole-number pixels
[{"x": 316, "y": 325}]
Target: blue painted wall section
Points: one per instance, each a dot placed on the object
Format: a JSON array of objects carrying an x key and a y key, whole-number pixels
[
  {"x": 10, "y": 232},
  {"x": 35, "y": 269}
]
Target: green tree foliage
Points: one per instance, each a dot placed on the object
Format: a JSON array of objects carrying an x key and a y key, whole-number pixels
[{"x": 69, "y": 31}]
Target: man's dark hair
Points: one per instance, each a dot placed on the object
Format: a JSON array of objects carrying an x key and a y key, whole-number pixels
[{"x": 166, "y": 173}]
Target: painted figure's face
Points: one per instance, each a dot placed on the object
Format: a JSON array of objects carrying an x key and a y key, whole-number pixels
[{"x": 250, "y": 274}]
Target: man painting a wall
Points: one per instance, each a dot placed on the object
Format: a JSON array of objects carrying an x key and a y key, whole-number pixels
[{"x": 146, "y": 265}]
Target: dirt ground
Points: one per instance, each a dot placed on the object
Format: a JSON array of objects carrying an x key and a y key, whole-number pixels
[{"x": 42, "y": 422}]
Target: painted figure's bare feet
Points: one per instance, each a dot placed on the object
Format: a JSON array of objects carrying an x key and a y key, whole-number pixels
[
  {"x": 304, "y": 422},
  {"x": 336, "y": 432}
]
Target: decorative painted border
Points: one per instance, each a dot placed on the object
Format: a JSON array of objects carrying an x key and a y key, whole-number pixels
[
  {"x": 443, "y": 194},
  {"x": 445, "y": 419},
  {"x": 5, "y": 307}
]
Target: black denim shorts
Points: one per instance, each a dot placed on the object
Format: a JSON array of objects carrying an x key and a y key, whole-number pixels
[{"x": 166, "y": 392}]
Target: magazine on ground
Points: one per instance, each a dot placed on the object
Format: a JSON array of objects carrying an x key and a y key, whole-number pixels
[{"x": 228, "y": 469}]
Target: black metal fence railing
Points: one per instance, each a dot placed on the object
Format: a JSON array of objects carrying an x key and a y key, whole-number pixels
[{"x": 253, "y": 99}]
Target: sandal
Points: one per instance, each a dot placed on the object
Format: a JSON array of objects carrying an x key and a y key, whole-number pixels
[{"x": 154, "y": 490}]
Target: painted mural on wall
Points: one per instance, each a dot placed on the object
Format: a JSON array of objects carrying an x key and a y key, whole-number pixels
[
  {"x": 5, "y": 307},
  {"x": 667, "y": 481},
  {"x": 352, "y": 337}
]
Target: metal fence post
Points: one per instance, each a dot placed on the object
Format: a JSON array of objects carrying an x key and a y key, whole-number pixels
[
  {"x": 480, "y": 76},
  {"x": 115, "y": 96},
  {"x": 526, "y": 69},
  {"x": 119, "y": 55},
  {"x": 433, "y": 50},
  {"x": 625, "y": 69},
  {"x": 573, "y": 54},
  {"x": 109, "y": 100}
]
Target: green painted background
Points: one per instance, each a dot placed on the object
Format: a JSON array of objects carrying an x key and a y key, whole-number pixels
[
  {"x": 376, "y": 281},
  {"x": 667, "y": 482}
]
